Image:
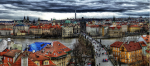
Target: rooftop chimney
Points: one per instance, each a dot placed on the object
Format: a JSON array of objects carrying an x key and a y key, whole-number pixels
[
  {"x": 33, "y": 51},
  {"x": 52, "y": 44},
  {"x": 24, "y": 61}
]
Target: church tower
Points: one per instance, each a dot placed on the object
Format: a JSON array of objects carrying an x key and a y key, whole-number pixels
[
  {"x": 114, "y": 21},
  {"x": 24, "y": 20},
  {"x": 83, "y": 25},
  {"x": 27, "y": 19}
]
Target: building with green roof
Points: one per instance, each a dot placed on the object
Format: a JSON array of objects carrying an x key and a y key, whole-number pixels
[{"x": 67, "y": 21}]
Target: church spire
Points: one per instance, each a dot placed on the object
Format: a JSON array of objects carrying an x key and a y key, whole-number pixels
[
  {"x": 27, "y": 18},
  {"x": 129, "y": 18},
  {"x": 24, "y": 18}
]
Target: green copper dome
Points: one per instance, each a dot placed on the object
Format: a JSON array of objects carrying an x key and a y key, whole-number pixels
[
  {"x": 67, "y": 21},
  {"x": 75, "y": 22}
]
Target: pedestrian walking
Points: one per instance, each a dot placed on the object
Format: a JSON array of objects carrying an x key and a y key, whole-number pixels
[{"x": 99, "y": 64}]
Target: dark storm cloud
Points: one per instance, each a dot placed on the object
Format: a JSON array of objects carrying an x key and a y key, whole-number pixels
[
  {"x": 67, "y": 6},
  {"x": 137, "y": 13},
  {"x": 16, "y": 17},
  {"x": 4, "y": 11}
]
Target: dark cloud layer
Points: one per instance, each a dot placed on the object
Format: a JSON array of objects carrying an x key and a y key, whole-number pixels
[
  {"x": 45, "y": 6},
  {"x": 65, "y": 6}
]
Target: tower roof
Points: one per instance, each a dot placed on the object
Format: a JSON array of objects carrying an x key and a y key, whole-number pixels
[{"x": 67, "y": 21}]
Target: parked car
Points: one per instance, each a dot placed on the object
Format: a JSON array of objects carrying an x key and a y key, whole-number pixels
[{"x": 105, "y": 60}]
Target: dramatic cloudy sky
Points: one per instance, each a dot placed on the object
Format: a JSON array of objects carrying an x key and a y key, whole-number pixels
[{"x": 62, "y": 9}]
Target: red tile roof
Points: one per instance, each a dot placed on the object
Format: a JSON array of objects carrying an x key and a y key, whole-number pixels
[
  {"x": 23, "y": 31},
  {"x": 146, "y": 38},
  {"x": 115, "y": 27},
  {"x": 2, "y": 53},
  {"x": 148, "y": 51},
  {"x": 116, "y": 44},
  {"x": 93, "y": 26},
  {"x": 56, "y": 26},
  {"x": 134, "y": 26},
  {"x": 55, "y": 50},
  {"x": 12, "y": 53},
  {"x": 18, "y": 63},
  {"x": 132, "y": 46},
  {"x": 142, "y": 43},
  {"x": 6, "y": 50},
  {"x": 37, "y": 57},
  {"x": 35, "y": 27},
  {"x": 6, "y": 29}
]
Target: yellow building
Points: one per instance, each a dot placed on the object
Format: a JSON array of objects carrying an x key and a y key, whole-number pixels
[
  {"x": 133, "y": 28},
  {"x": 116, "y": 49},
  {"x": 129, "y": 53}
]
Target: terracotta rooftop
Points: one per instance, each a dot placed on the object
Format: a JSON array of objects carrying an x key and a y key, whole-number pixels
[
  {"x": 134, "y": 26},
  {"x": 132, "y": 46},
  {"x": 118, "y": 26},
  {"x": 55, "y": 50},
  {"x": 148, "y": 51},
  {"x": 6, "y": 29},
  {"x": 142, "y": 43},
  {"x": 116, "y": 44},
  {"x": 5, "y": 51},
  {"x": 12, "y": 53},
  {"x": 37, "y": 57},
  {"x": 146, "y": 38},
  {"x": 93, "y": 26}
]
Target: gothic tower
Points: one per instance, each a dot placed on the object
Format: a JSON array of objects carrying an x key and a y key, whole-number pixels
[
  {"x": 27, "y": 19},
  {"x": 24, "y": 20},
  {"x": 83, "y": 25}
]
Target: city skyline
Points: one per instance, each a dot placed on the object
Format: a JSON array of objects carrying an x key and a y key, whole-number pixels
[{"x": 57, "y": 9}]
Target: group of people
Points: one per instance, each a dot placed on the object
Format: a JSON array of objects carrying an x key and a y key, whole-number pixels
[{"x": 99, "y": 51}]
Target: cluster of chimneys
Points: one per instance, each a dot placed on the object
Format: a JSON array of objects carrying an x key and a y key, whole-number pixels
[{"x": 128, "y": 39}]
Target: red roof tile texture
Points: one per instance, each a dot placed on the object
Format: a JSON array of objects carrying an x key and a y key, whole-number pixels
[
  {"x": 132, "y": 46},
  {"x": 116, "y": 44},
  {"x": 55, "y": 50},
  {"x": 142, "y": 43},
  {"x": 12, "y": 53},
  {"x": 37, "y": 57},
  {"x": 134, "y": 26},
  {"x": 6, "y": 29},
  {"x": 146, "y": 38}
]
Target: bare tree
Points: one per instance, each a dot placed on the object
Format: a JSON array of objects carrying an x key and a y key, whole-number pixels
[{"x": 82, "y": 51}]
